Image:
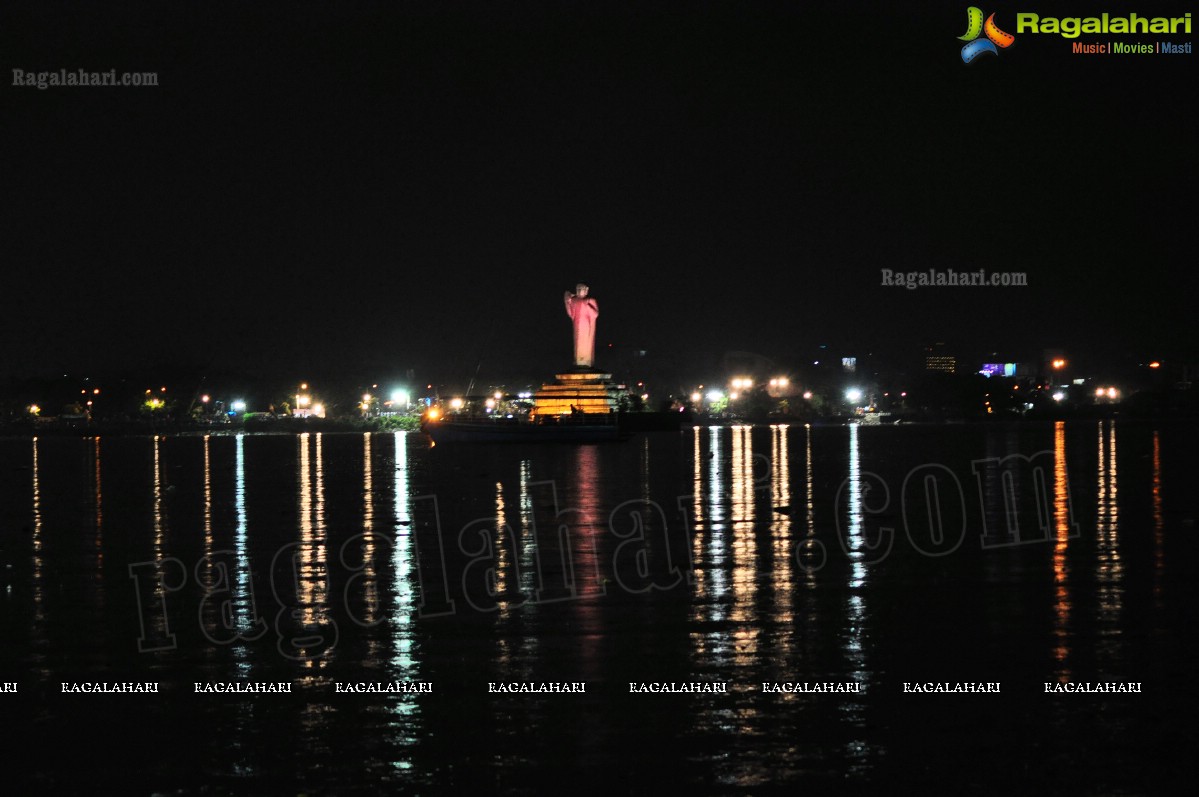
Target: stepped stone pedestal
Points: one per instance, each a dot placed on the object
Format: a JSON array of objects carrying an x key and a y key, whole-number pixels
[{"x": 577, "y": 391}]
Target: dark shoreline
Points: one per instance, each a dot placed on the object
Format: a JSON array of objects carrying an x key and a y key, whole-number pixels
[
  {"x": 297, "y": 427},
  {"x": 252, "y": 426}
]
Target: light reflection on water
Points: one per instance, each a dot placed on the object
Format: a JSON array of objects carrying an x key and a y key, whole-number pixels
[
  {"x": 782, "y": 547},
  {"x": 709, "y": 609},
  {"x": 159, "y": 513},
  {"x": 244, "y": 603},
  {"x": 404, "y": 651},
  {"x": 527, "y": 545},
  {"x": 591, "y": 526},
  {"x": 857, "y": 750},
  {"x": 752, "y": 611},
  {"x": 856, "y": 542},
  {"x": 1061, "y": 545},
  {"x": 808, "y": 555},
  {"x": 743, "y": 643},
  {"x": 312, "y": 567},
  {"x": 98, "y": 509},
  {"x": 1159, "y": 521},
  {"x": 370, "y": 598},
  {"x": 1109, "y": 570},
  {"x": 37, "y": 563},
  {"x": 207, "y": 498}
]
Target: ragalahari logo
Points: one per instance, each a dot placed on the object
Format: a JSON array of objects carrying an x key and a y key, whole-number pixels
[{"x": 974, "y": 27}]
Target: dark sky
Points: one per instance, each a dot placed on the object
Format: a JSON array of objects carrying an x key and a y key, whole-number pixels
[{"x": 364, "y": 187}]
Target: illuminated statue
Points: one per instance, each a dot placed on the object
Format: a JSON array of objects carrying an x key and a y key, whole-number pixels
[{"x": 583, "y": 310}]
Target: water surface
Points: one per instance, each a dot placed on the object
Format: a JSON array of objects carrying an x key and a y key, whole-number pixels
[{"x": 880, "y": 555}]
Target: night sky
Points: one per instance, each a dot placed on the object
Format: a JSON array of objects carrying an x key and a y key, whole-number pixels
[{"x": 366, "y": 188}]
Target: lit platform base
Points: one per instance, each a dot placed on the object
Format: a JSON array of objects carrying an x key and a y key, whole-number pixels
[{"x": 577, "y": 391}]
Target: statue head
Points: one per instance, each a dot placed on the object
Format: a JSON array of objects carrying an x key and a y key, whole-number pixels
[{"x": 581, "y": 290}]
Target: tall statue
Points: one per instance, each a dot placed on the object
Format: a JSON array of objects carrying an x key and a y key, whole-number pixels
[{"x": 583, "y": 310}]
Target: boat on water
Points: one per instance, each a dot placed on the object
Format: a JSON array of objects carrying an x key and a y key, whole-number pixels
[{"x": 575, "y": 428}]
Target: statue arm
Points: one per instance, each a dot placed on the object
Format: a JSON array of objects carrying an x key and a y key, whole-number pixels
[{"x": 567, "y": 299}]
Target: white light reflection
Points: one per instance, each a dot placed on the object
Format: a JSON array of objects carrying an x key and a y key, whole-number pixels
[
  {"x": 518, "y": 647},
  {"x": 853, "y": 633},
  {"x": 404, "y": 664},
  {"x": 809, "y": 491},
  {"x": 209, "y": 565},
  {"x": 808, "y": 547},
  {"x": 403, "y": 659},
  {"x": 856, "y": 541},
  {"x": 243, "y": 602},
  {"x": 527, "y": 550},
  {"x": 39, "y": 610},
  {"x": 781, "y": 536},
  {"x": 711, "y": 584},
  {"x": 207, "y": 498}
]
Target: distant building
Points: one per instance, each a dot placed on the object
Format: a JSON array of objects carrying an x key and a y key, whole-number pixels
[
  {"x": 936, "y": 358},
  {"x": 1000, "y": 369}
]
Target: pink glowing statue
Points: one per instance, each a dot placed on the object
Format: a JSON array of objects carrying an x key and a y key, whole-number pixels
[{"x": 583, "y": 310}]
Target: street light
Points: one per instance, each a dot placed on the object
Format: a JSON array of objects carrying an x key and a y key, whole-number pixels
[{"x": 853, "y": 394}]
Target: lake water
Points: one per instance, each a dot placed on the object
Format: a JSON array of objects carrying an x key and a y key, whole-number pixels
[{"x": 882, "y": 556}]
